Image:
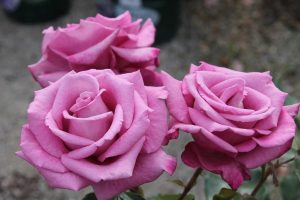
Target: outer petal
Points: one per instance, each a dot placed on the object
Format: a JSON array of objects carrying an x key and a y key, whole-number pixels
[
  {"x": 283, "y": 133},
  {"x": 94, "y": 56},
  {"x": 200, "y": 119},
  {"x": 151, "y": 77},
  {"x": 147, "y": 34},
  {"x": 32, "y": 150},
  {"x": 116, "y": 22},
  {"x": 293, "y": 109},
  {"x": 277, "y": 98},
  {"x": 120, "y": 168},
  {"x": 175, "y": 101},
  {"x": 158, "y": 119},
  {"x": 138, "y": 83},
  {"x": 65, "y": 180},
  {"x": 37, "y": 112},
  {"x": 213, "y": 142},
  {"x": 137, "y": 55},
  {"x": 75, "y": 39},
  {"x": 47, "y": 79},
  {"x": 261, "y": 155},
  {"x": 230, "y": 170},
  {"x": 148, "y": 168},
  {"x": 49, "y": 67}
]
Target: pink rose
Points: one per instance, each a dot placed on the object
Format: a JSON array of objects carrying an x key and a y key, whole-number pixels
[
  {"x": 97, "y": 43},
  {"x": 238, "y": 120},
  {"x": 100, "y": 129}
]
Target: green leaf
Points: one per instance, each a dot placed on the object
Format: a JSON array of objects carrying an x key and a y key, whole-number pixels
[
  {"x": 171, "y": 197},
  {"x": 229, "y": 194},
  {"x": 225, "y": 194},
  {"x": 128, "y": 196},
  {"x": 90, "y": 196}
]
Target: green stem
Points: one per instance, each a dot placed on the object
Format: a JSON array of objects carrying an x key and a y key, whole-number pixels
[{"x": 190, "y": 184}]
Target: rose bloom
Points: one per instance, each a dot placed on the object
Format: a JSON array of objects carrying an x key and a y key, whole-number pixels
[
  {"x": 97, "y": 43},
  {"x": 100, "y": 129},
  {"x": 238, "y": 120}
]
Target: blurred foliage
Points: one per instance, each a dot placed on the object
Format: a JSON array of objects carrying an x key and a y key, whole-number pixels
[
  {"x": 171, "y": 197},
  {"x": 177, "y": 182},
  {"x": 228, "y": 194},
  {"x": 90, "y": 196}
]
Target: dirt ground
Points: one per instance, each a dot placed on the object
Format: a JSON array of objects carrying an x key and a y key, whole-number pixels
[{"x": 242, "y": 34}]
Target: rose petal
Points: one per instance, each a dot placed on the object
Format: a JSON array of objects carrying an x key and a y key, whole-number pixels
[
  {"x": 92, "y": 128},
  {"x": 261, "y": 82},
  {"x": 277, "y": 98},
  {"x": 52, "y": 62},
  {"x": 284, "y": 132},
  {"x": 232, "y": 89},
  {"x": 251, "y": 117},
  {"x": 138, "y": 83},
  {"x": 213, "y": 142},
  {"x": 206, "y": 138},
  {"x": 103, "y": 143},
  {"x": 230, "y": 170},
  {"x": 135, "y": 132},
  {"x": 95, "y": 107},
  {"x": 37, "y": 112},
  {"x": 121, "y": 92},
  {"x": 83, "y": 152},
  {"x": 138, "y": 55},
  {"x": 70, "y": 41},
  {"x": 95, "y": 56},
  {"x": 158, "y": 119},
  {"x": 293, "y": 109},
  {"x": 201, "y": 104},
  {"x": 73, "y": 141},
  {"x": 256, "y": 101},
  {"x": 260, "y": 155},
  {"x": 32, "y": 150},
  {"x": 148, "y": 167},
  {"x": 69, "y": 90},
  {"x": 66, "y": 180},
  {"x": 47, "y": 79},
  {"x": 175, "y": 101},
  {"x": 247, "y": 146},
  {"x": 120, "y": 168},
  {"x": 200, "y": 119},
  {"x": 151, "y": 77},
  {"x": 113, "y": 131},
  {"x": 116, "y": 22},
  {"x": 146, "y": 35}
]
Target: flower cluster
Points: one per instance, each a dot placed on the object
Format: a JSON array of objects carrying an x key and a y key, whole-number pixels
[{"x": 104, "y": 112}]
